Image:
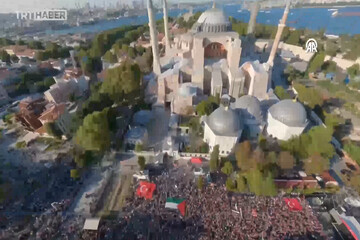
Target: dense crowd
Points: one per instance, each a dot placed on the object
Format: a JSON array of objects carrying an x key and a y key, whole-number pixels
[{"x": 213, "y": 213}]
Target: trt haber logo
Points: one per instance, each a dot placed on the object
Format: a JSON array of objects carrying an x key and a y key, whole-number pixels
[{"x": 43, "y": 15}]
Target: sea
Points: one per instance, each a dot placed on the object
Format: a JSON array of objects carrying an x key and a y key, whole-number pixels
[{"x": 310, "y": 18}]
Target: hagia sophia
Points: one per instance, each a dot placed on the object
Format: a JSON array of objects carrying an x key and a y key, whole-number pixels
[{"x": 207, "y": 61}]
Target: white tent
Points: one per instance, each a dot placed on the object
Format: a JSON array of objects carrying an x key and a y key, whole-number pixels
[{"x": 91, "y": 224}]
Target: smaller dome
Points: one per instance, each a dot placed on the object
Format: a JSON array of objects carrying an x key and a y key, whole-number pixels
[
  {"x": 289, "y": 112},
  {"x": 224, "y": 121},
  {"x": 249, "y": 107},
  {"x": 187, "y": 90}
]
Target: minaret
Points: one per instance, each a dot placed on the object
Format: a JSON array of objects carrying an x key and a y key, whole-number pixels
[
  {"x": 166, "y": 26},
  {"x": 153, "y": 39},
  {"x": 280, "y": 29},
  {"x": 254, "y": 12}
]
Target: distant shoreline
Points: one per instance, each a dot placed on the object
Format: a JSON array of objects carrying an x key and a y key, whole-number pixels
[{"x": 327, "y": 5}]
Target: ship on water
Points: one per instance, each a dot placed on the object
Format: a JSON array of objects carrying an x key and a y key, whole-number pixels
[{"x": 345, "y": 14}]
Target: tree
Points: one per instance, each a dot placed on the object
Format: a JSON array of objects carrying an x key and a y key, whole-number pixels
[
  {"x": 329, "y": 66},
  {"x": 227, "y": 168},
  {"x": 200, "y": 182},
  {"x": 354, "y": 70},
  {"x": 74, "y": 174},
  {"x": 294, "y": 38},
  {"x": 254, "y": 180},
  {"x": 240, "y": 183},
  {"x": 83, "y": 158},
  {"x": 141, "y": 162},
  {"x": 206, "y": 107},
  {"x": 35, "y": 45},
  {"x": 14, "y": 58},
  {"x": 122, "y": 83},
  {"x": 281, "y": 93},
  {"x": 20, "y": 42},
  {"x": 110, "y": 57},
  {"x": 331, "y": 48},
  {"x": 355, "y": 182},
  {"x": 321, "y": 142},
  {"x": 4, "y": 56},
  {"x": 139, "y": 147},
  {"x": 309, "y": 96},
  {"x": 286, "y": 161},
  {"x": 316, "y": 164},
  {"x": 316, "y": 62},
  {"x": 230, "y": 186},
  {"x": 48, "y": 81},
  {"x": 243, "y": 155},
  {"x": 53, "y": 130},
  {"x": 94, "y": 134},
  {"x": 214, "y": 159}
]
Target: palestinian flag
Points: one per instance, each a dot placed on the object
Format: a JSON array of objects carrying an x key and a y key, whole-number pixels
[{"x": 176, "y": 203}]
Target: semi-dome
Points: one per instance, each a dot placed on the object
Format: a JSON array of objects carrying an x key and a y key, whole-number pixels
[
  {"x": 289, "y": 112},
  {"x": 224, "y": 121},
  {"x": 249, "y": 107},
  {"x": 212, "y": 20}
]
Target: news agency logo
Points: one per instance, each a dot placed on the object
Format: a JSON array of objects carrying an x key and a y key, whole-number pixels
[
  {"x": 311, "y": 46},
  {"x": 43, "y": 15}
]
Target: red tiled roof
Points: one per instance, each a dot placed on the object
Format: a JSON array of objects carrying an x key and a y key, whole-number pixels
[
  {"x": 327, "y": 177},
  {"x": 53, "y": 113}
]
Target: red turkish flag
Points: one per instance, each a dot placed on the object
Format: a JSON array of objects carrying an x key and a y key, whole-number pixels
[
  {"x": 146, "y": 189},
  {"x": 293, "y": 204}
]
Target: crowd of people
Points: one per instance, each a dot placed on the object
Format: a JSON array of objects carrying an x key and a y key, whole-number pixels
[{"x": 212, "y": 213}]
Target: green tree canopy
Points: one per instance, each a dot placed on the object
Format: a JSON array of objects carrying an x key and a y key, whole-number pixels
[
  {"x": 227, "y": 168},
  {"x": 281, "y": 93},
  {"x": 123, "y": 82},
  {"x": 53, "y": 130},
  {"x": 94, "y": 134},
  {"x": 200, "y": 183},
  {"x": 243, "y": 156},
  {"x": 4, "y": 56},
  {"x": 328, "y": 66},
  {"x": 316, "y": 141},
  {"x": 214, "y": 159},
  {"x": 110, "y": 57},
  {"x": 309, "y": 96},
  {"x": 354, "y": 70},
  {"x": 141, "y": 162},
  {"x": 316, "y": 63},
  {"x": 316, "y": 164},
  {"x": 206, "y": 107},
  {"x": 286, "y": 161}
]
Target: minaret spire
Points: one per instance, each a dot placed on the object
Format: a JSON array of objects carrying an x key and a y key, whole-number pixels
[
  {"x": 153, "y": 39},
  {"x": 280, "y": 29},
  {"x": 166, "y": 26},
  {"x": 214, "y": 4}
]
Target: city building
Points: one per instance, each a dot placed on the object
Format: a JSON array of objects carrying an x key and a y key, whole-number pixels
[
  {"x": 29, "y": 112},
  {"x": 58, "y": 114}
]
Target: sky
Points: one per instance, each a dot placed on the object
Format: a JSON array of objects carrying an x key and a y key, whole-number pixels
[{"x": 7, "y": 6}]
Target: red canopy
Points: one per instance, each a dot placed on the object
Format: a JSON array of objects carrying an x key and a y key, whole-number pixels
[
  {"x": 196, "y": 160},
  {"x": 293, "y": 204},
  {"x": 146, "y": 189}
]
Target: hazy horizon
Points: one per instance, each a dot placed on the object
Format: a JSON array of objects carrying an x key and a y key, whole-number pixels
[{"x": 11, "y": 6}]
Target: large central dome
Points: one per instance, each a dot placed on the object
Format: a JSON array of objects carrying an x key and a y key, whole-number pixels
[{"x": 212, "y": 20}]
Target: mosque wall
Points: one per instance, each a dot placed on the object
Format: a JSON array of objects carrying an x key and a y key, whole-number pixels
[
  {"x": 281, "y": 131},
  {"x": 226, "y": 143}
]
